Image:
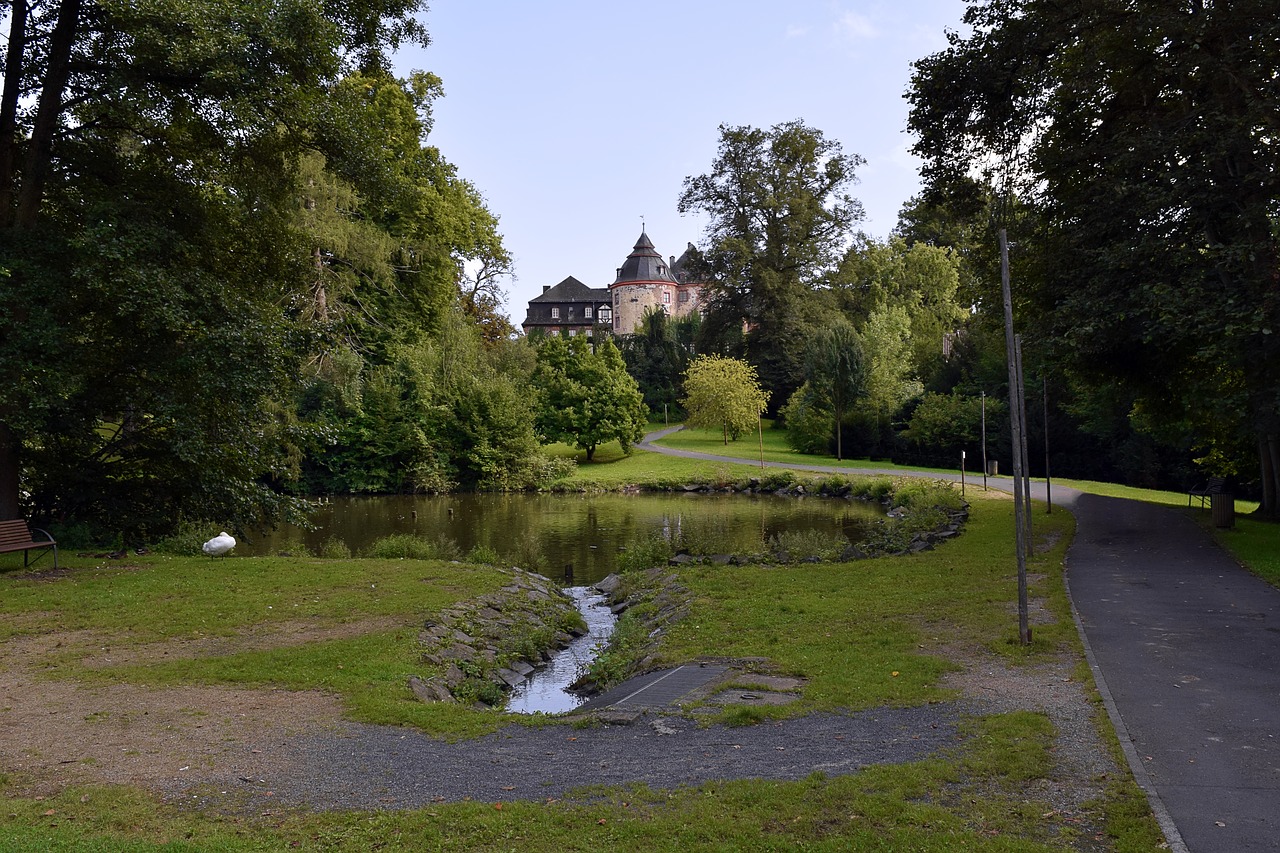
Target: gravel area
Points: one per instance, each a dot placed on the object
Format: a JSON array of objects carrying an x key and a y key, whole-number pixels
[{"x": 369, "y": 767}]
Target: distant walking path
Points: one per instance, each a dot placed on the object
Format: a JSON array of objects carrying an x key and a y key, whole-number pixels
[{"x": 1185, "y": 646}]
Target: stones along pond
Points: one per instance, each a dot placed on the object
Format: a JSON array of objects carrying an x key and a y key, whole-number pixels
[{"x": 549, "y": 532}]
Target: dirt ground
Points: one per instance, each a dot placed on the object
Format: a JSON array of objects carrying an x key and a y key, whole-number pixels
[{"x": 296, "y": 746}]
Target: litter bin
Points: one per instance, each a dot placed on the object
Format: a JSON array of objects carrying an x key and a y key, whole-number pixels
[
  {"x": 993, "y": 468},
  {"x": 1223, "y": 507}
]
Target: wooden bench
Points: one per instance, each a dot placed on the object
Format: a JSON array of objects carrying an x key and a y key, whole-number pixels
[
  {"x": 1212, "y": 486},
  {"x": 15, "y": 535}
]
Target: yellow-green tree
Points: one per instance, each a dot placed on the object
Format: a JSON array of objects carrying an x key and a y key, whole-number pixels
[{"x": 723, "y": 392}]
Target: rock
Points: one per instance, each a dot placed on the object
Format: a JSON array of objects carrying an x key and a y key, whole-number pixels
[
  {"x": 429, "y": 691},
  {"x": 609, "y": 585}
]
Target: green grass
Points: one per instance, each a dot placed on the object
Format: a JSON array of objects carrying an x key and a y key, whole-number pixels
[
  {"x": 1256, "y": 544},
  {"x": 864, "y": 634}
]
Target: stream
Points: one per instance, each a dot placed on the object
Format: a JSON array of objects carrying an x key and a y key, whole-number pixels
[{"x": 546, "y": 689}]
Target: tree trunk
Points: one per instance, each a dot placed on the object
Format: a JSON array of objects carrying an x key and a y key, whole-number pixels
[
  {"x": 1269, "y": 456},
  {"x": 13, "y": 69},
  {"x": 48, "y": 112},
  {"x": 8, "y": 474}
]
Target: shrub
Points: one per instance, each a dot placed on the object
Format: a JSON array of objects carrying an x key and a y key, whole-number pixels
[
  {"x": 410, "y": 547},
  {"x": 645, "y": 553},
  {"x": 335, "y": 549},
  {"x": 806, "y": 544},
  {"x": 485, "y": 555}
]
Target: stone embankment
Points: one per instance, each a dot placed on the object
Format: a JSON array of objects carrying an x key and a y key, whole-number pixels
[{"x": 477, "y": 650}]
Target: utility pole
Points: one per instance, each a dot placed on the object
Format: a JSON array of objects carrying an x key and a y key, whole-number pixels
[{"x": 1015, "y": 428}]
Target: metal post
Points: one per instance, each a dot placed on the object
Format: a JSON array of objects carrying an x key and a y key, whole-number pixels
[
  {"x": 1015, "y": 429},
  {"x": 962, "y": 473}
]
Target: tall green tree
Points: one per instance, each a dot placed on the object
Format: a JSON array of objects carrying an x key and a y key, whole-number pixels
[
  {"x": 836, "y": 371},
  {"x": 656, "y": 360},
  {"x": 779, "y": 216},
  {"x": 723, "y": 393},
  {"x": 1139, "y": 137},
  {"x": 148, "y": 156},
  {"x": 585, "y": 395}
]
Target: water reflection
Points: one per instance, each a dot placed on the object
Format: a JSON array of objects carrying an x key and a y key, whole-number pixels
[{"x": 585, "y": 531}]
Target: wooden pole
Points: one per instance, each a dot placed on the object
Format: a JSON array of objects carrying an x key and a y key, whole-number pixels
[
  {"x": 760, "y": 433},
  {"x": 984, "y": 441},
  {"x": 1026, "y": 458},
  {"x": 1015, "y": 429},
  {"x": 1048, "y": 481}
]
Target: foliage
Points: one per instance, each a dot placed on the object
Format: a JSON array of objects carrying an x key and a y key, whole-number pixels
[
  {"x": 657, "y": 361},
  {"x": 723, "y": 393},
  {"x": 780, "y": 213},
  {"x": 808, "y": 421},
  {"x": 1130, "y": 136},
  {"x": 585, "y": 395},
  {"x": 407, "y": 546},
  {"x": 942, "y": 425},
  {"x": 836, "y": 372}
]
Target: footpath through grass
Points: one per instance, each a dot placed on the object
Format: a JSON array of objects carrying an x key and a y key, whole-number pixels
[{"x": 864, "y": 634}]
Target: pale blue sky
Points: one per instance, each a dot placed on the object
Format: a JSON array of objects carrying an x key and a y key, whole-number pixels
[{"x": 577, "y": 118}]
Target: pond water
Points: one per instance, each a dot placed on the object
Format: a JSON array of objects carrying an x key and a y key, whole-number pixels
[{"x": 585, "y": 531}]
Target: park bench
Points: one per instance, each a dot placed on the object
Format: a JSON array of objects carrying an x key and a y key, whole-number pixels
[
  {"x": 1212, "y": 486},
  {"x": 15, "y": 535}
]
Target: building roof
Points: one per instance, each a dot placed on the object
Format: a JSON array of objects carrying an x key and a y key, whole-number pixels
[
  {"x": 644, "y": 264},
  {"x": 572, "y": 290}
]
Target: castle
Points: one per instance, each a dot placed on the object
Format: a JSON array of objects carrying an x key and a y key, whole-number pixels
[{"x": 645, "y": 281}]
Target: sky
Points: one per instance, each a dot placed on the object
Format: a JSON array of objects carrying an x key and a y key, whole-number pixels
[{"x": 579, "y": 120}]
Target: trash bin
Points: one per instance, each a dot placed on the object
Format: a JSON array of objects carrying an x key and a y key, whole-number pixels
[
  {"x": 1223, "y": 507},
  {"x": 993, "y": 468}
]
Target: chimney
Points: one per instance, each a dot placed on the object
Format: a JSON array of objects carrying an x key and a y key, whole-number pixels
[{"x": 545, "y": 288}]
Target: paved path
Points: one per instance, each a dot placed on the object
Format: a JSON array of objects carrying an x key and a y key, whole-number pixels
[{"x": 1185, "y": 647}]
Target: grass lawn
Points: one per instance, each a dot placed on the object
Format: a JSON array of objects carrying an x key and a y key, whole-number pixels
[{"x": 864, "y": 634}]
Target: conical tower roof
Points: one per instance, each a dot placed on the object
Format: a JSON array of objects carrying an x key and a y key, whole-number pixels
[{"x": 644, "y": 264}]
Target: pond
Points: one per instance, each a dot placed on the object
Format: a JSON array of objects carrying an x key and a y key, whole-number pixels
[{"x": 585, "y": 531}]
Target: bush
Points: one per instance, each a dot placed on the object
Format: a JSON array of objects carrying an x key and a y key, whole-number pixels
[
  {"x": 529, "y": 553},
  {"x": 485, "y": 555},
  {"x": 809, "y": 424},
  {"x": 646, "y": 553},
  {"x": 335, "y": 549},
  {"x": 410, "y": 547},
  {"x": 800, "y": 545}
]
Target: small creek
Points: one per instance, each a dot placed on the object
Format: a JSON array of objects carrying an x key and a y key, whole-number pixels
[{"x": 546, "y": 689}]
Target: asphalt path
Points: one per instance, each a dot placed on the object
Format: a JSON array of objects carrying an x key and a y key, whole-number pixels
[{"x": 1184, "y": 644}]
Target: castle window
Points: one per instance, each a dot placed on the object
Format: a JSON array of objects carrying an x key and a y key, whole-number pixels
[
  {"x": 555, "y": 312},
  {"x": 666, "y": 297},
  {"x": 586, "y": 312}
]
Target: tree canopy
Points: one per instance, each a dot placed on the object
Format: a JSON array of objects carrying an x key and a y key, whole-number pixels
[
  {"x": 1139, "y": 138},
  {"x": 723, "y": 393},
  {"x": 585, "y": 395},
  {"x": 201, "y": 203},
  {"x": 780, "y": 216}
]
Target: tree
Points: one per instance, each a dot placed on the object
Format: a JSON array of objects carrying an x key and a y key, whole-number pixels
[
  {"x": 1136, "y": 135},
  {"x": 723, "y": 393},
  {"x": 656, "y": 360},
  {"x": 586, "y": 397},
  {"x": 836, "y": 371},
  {"x": 780, "y": 215}
]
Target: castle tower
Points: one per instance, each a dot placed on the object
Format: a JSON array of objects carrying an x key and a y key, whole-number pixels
[{"x": 645, "y": 280}]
